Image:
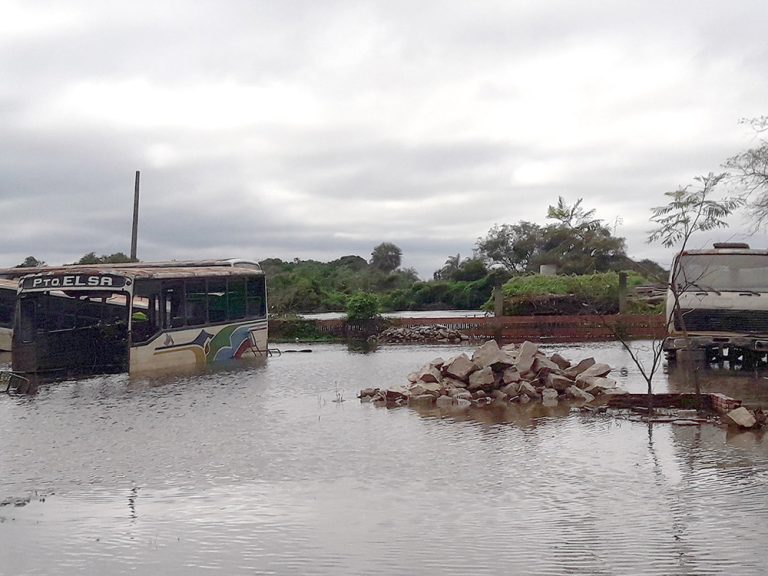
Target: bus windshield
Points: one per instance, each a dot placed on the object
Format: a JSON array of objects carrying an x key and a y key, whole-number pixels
[{"x": 723, "y": 272}]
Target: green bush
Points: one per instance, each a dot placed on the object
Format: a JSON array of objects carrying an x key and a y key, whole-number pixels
[
  {"x": 596, "y": 293},
  {"x": 362, "y": 306}
]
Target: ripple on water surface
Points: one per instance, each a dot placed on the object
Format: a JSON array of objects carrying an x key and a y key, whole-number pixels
[{"x": 263, "y": 471}]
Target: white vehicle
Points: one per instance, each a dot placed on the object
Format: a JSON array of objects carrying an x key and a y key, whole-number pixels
[
  {"x": 723, "y": 302},
  {"x": 140, "y": 317},
  {"x": 7, "y": 305}
]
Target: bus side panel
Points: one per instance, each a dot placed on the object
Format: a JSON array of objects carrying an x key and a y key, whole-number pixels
[
  {"x": 6, "y": 335},
  {"x": 198, "y": 347}
]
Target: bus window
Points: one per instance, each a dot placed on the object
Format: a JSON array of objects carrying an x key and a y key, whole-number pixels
[
  {"x": 7, "y": 304},
  {"x": 256, "y": 298},
  {"x": 26, "y": 322},
  {"x": 195, "y": 302},
  {"x": 217, "y": 300},
  {"x": 171, "y": 306},
  {"x": 236, "y": 302}
]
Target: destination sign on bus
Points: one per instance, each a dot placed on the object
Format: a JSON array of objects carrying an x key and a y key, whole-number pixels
[{"x": 74, "y": 282}]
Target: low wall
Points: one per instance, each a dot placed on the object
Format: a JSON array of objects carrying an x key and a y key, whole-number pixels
[{"x": 509, "y": 328}]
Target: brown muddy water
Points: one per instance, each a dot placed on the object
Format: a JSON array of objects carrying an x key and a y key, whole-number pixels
[{"x": 261, "y": 471}]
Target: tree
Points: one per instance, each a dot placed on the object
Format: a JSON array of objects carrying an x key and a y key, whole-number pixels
[
  {"x": 578, "y": 242},
  {"x": 116, "y": 258},
  {"x": 687, "y": 212},
  {"x": 572, "y": 216},
  {"x": 513, "y": 246},
  {"x": 30, "y": 262},
  {"x": 457, "y": 269},
  {"x": 691, "y": 211},
  {"x": 451, "y": 265},
  {"x": 751, "y": 169},
  {"x": 583, "y": 249},
  {"x": 386, "y": 257},
  {"x": 362, "y": 307}
]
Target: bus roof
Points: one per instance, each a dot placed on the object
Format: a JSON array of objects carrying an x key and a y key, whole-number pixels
[
  {"x": 136, "y": 271},
  {"x": 715, "y": 251},
  {"x": 8, "y": 284},
  {"x": 166, "y": 269}
]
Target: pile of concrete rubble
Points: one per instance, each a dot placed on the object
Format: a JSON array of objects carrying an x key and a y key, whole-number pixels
[
  {"x": 509, "y": 374},
  {"x": 427, "y": 333}
]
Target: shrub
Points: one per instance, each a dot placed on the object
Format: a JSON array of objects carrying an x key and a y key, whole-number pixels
[
  {"x": 588, "y": 293},
  {"x": 362, "y": 306}
]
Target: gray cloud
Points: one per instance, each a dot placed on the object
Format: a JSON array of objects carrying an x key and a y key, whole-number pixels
[{"x": 315, "y": 130}]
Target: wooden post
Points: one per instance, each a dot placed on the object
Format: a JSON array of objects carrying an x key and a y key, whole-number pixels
[
  {"x": 135, "y": 231},
  {"x": 498, "y": 301},
  {"x": 622, "y": 292},
  {"x": 498, "y": 312}
]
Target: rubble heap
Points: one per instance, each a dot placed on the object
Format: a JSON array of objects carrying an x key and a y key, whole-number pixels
[
  {"x": 427, "y": 333},
  {"x": 509, "y": 374}
]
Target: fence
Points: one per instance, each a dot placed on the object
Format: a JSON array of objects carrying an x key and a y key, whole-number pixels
[{"x": 508, "y": 328}]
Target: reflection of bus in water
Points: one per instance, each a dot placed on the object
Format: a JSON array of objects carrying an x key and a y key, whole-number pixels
[
  {"x": 79, "y": 320},
  {"x": 7, "y": 306},
  {"x": 743, "y": 384},
  {"x": 723, "y": 298}
]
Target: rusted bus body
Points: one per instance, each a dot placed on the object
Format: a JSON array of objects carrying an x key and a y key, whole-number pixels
[
  {"x": 139, "y": 318},
  {"x": 722, "y": 294},
  {"x": 7, "y": 306}
]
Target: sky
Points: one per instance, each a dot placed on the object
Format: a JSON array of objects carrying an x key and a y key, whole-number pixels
[{"x": 314, "y": 130}]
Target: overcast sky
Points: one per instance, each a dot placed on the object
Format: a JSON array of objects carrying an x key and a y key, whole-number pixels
[{"x": 299, "y": 128}]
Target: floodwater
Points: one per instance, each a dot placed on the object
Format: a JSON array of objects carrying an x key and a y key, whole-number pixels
[{"x": 279, "y": 469}]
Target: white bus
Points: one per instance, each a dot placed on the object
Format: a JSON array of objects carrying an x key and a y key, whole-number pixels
[
  {"x": 723, "y": 299},
  {"x": 7, "y": 306},
  {"x": 139, "y": 317}
]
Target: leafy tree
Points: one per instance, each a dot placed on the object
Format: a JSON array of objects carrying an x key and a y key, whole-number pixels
[
  {"x": 513, "y": 246},
  {"x": 451, "y": 265},
  {"x": 116, "y": 258},
  {"x": 581, "y": 249},
  {"x": 572, "y": 216},
  {"x": 30, "y": 262},
  {"x": 362, "y": 306},
  {"x": 456, "y": 269},
  {"x": 687, "y": 212},
  {"x": 690, "y": 211},
  {"x": 352, "y": 262},
  {"x": 470, "y": 269},
  {"x": 577, "y": 243},
  {"x": 386, "y": 257},
  {"x": 751, "y": 168},
  {"x": 650, "y": 269}
]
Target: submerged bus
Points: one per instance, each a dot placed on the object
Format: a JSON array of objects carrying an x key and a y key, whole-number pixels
[
  {"x": 723, "y": 303},
  {"x": 139, "y": 317}
]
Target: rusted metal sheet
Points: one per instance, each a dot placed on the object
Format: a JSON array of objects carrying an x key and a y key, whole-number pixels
[
  {"x": 552, "y": 328},
  {"x": 520, "y": 328}
]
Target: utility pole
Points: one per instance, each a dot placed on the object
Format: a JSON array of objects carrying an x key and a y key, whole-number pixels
[{"x": 135, "y": 233}]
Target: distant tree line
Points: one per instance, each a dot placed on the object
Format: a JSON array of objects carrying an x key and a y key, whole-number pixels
[{"x": 90, "y": 258}]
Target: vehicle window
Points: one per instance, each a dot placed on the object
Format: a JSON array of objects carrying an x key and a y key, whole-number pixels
[
  {"x": 217, "y": 299},
  {"x": 195, "y": 302},
  {"x": 236, "y": 303},
  {"x": 256, "y": 305}
]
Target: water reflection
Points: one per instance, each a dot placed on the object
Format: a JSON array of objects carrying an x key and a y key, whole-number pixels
[
  {"x": 522, "y": 415},
  {"x": 362, "y": 346},
  {"x": 259, "y": 471},
  {"x": 750, "y": 386}
]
